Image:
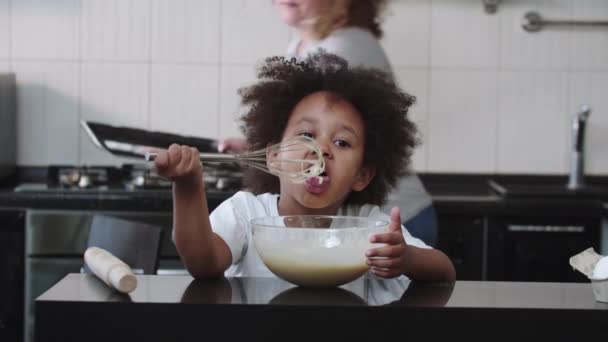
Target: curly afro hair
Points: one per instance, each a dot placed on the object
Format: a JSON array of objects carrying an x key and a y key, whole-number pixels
[{"x": 390, "y": 137}]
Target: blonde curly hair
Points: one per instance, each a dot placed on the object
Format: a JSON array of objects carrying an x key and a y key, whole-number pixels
[{"x": 343, "y": 13}]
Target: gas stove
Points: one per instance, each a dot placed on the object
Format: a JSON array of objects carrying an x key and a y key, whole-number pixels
[
  {"x": 133, "y": 142},
  {"x": 132, "y": 177}
]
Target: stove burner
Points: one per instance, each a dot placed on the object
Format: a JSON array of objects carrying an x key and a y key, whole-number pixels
[
  {"x": 83, "y": 177},
  {"x": 136, "y": 177},
  {"x": 217, "y": 178},
  {"x": 144, "y": 177}
]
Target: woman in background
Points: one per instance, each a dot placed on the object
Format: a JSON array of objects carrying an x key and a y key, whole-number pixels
[
  {"x": 351, "y": 29},
  {"x": 348, "y": 28}
]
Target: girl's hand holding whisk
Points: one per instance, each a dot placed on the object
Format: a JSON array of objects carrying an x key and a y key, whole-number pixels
[
  {"x": 391, "y": 260},
  {"x": 179, "y": 163}
]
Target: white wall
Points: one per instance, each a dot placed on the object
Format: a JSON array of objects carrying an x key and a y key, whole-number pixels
[{"x": 491, "y": 97}]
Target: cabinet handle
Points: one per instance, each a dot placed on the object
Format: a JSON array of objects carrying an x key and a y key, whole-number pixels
[
  {"x": 546, "y": 229},
  {"x": 166, "y": 271}
]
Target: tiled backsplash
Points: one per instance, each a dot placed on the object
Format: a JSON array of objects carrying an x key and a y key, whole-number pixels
[{"x": 491, "y": 97}]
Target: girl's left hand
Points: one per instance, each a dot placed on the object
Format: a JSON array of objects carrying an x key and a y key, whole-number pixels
[{"x": 389, "y": 261}]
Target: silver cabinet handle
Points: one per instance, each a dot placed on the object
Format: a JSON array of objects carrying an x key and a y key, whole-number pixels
[
  {"x": 533, "y": 22},
  {"x": 172, "y": 271},
  {"x": 546, "y": 229}
]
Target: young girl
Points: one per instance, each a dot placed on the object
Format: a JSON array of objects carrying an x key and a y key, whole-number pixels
[
  {"x": 352, "y": 29},
  {"x": 358, "y": 118}
]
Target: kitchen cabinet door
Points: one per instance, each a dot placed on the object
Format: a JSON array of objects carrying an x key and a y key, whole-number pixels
[
  {"x": 11, "y": 274},
  {"x": 461, "y": 237},
  {"x": 538, "y": 248}
]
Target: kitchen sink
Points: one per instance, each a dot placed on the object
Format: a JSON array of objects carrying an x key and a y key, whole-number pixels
[
  {"x": 460, "y": 186},
  {"x": 551, "y": 187},
  {"x": 514, "y": 186},
  {"x": 465, "y": 190}
]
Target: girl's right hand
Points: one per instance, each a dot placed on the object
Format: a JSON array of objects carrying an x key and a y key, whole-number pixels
[{"x": 179, "y": 163}]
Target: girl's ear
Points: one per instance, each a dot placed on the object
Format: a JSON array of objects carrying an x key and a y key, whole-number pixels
[{"x": 364, "y": 177}]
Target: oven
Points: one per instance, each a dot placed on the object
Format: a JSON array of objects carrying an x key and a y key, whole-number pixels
[
  {"x": 55, "y": 240},
  {"x": 538, "y": 248},
  {"x": 55, "y": 243}
]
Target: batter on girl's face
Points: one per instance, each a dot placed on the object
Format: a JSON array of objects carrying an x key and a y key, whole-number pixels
[{"x": 339, "y": 129}]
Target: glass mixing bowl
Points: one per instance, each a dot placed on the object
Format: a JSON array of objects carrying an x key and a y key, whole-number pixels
[{"x": 313, "y": 250}]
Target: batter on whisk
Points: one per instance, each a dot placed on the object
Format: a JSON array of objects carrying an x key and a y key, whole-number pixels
[{"x": 358, "y": 117}]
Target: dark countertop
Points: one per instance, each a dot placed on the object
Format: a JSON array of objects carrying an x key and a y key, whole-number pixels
[
  {"x": 180, "y": 308},
  {"x": 481, "y": 194},
  {"x": 110, "y": 200},
  {"x": 451, "y": 193},
  {"x": 161, "y": 200}
]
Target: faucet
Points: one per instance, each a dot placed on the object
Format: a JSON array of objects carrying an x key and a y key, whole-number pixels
[{"x": 577, "y": 164}]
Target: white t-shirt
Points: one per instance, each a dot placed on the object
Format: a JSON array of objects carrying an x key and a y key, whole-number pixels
[
  {"x": 359, "y": 47},
  {"x": 231, "y": 221}
]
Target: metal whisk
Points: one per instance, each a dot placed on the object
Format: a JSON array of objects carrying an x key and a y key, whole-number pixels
[{"x": 297, "y": 158}]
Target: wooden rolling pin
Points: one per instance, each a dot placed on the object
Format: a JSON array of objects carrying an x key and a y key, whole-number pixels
[{"x": 111, "y": 270}]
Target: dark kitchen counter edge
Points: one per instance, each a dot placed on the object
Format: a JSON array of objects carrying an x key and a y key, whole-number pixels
[
  {"x": 472, "y": 309},
  {"x": 161, "y": 322}
]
